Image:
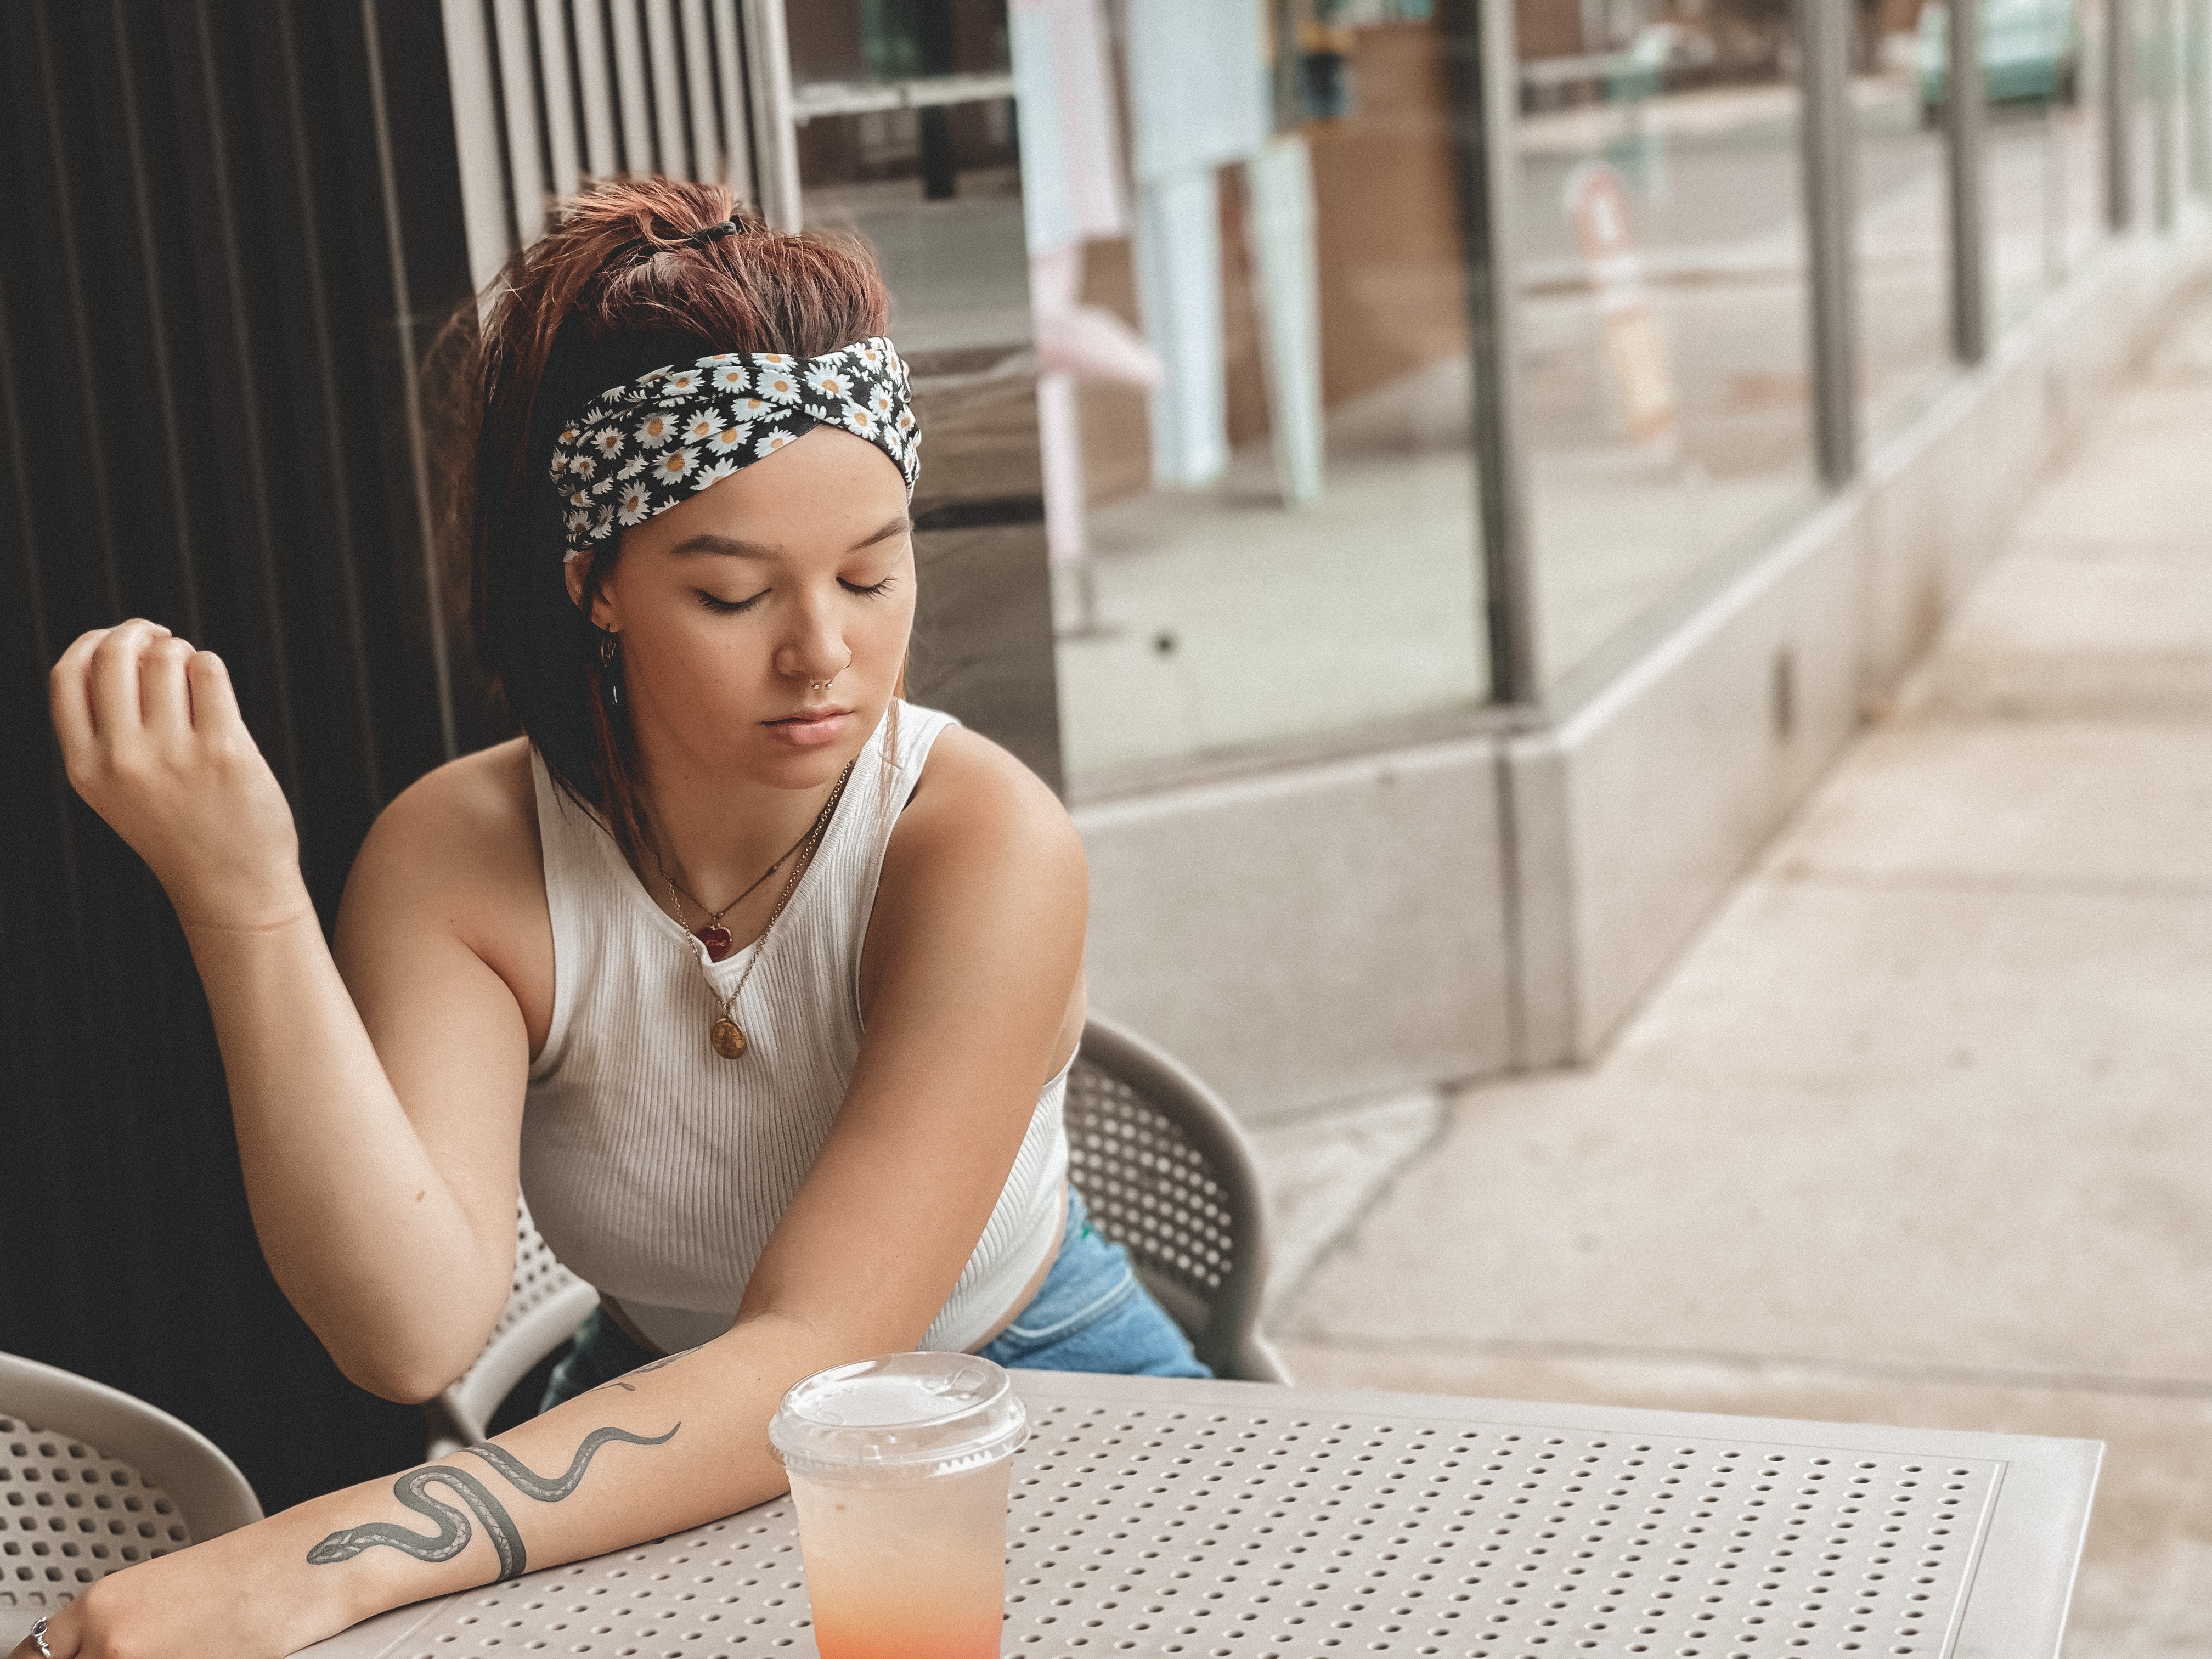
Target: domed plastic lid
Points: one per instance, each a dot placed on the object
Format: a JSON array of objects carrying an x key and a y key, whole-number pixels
[{"x": 901, "y": 1416}]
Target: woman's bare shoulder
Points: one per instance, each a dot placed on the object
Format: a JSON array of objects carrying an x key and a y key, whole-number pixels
[
  {"x": 462, "y": 838},
  {"x": 486, "y": 802},
  {"x": 969, "y": 785}
]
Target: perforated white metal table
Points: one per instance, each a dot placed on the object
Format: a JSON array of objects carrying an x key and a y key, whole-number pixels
[{"x": 1229, "y": 1520}]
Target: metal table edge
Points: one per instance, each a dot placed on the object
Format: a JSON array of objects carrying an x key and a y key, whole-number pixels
[{"x": 1076, "y": 1386}]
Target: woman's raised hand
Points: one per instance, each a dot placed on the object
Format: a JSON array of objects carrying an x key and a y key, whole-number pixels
[{"x": 152, "y": 739}]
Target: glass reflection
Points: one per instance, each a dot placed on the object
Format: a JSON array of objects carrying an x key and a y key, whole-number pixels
[
  {"x": 1250, "y": 325},
  {"x": 1662, "y": 278},
  {"x": 1903, "y": 217}
]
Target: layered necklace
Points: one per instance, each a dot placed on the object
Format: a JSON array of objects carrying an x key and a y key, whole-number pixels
[{"x": 726, "y": 1035}]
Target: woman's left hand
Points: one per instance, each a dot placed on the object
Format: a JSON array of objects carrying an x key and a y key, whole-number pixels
[{"x": 232, "y": 1597}]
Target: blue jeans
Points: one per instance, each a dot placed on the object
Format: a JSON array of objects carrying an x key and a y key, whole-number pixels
[{"x": 1091, "y": 1314}]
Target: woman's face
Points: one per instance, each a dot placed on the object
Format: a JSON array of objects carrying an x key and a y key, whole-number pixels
[{"x": 733, "y": 606}]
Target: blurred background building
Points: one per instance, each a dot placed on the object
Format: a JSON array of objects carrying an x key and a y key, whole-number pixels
[{"x": 1432, "y": 482}]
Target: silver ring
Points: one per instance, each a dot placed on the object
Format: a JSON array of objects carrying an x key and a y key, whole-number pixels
[{"x": 38, "y": 1635}]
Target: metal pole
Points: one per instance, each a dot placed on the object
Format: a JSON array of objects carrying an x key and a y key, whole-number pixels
[
  {"x": 1828, "y": 149},
  {"x": 2165, "y": 161},
  {"x": 1486, "y": 84},
  {"x": 1966, "y": 119},
  {"x": 2195, "y": 86},
  {"x": 2119, "y": 116}
]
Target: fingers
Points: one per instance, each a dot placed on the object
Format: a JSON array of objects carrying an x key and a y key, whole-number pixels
[
  {"x": 67, "y": 696},
  {"x": 165, "y": 700},
  {"x": 112, "y": 679},
  {"x": 214, "y": 700}
]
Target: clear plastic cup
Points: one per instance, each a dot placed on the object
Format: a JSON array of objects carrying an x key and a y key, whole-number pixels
[{"x": 900, "y": 1468}]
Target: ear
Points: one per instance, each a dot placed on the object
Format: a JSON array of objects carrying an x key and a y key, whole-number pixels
[{"x": 577, "y": 573}]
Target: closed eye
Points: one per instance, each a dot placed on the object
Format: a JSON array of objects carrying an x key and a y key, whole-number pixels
[
  {"x": 876, "y": 591},
  {"x": 727, "y": 607}
]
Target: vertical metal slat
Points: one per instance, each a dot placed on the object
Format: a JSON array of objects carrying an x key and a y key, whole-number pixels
[
  {"x": 661, "y": 58},
  {"x": 595, "y": 86},
  {"x": 161, "y": 355},
  {"x": 318, "y": 380},
  {"x": 706, "y": 162},
  {"x": 487, "y": 215},
  {"x": 425, "y": 492},
  {"x": 526, "y": 138},
  {"x": 776, "y": 139},
  {"x": 638, "y": 156},
  {"x": 730, "y": 84},
  {"x": 557, "y": 87},
  {"x": 228, "y": 317}
]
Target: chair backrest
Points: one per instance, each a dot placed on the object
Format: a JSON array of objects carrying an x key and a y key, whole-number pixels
[
  {"x": 91, "y": 1480},
  {"x": 544, "y": 1304},
  {"x": 1164, "y": 1171}
]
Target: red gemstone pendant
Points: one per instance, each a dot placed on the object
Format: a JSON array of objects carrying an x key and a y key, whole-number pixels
[{"x": 717, "y": 941}]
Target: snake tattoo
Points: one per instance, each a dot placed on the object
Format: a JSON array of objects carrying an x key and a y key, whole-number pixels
[{"x": 453, "y": 1530}]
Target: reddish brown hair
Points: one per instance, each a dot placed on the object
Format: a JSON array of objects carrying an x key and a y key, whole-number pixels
[{"x": 615, "y": 288}]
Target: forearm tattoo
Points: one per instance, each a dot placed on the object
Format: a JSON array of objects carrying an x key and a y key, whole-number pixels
[
  {"x": 651, "y": 1365},
  {"x": 523, "y": 1478},
  {"x": 454, "y": 1531}
]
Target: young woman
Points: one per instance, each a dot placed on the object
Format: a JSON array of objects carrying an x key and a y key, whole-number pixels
[{"x": 761, "y": 984}]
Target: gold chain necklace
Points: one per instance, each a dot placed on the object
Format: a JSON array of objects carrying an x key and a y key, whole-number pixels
[{"x": 726, "y": 1035}]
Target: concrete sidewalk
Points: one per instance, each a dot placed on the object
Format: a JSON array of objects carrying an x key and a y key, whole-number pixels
[{"x": 1920, "y": 1131}]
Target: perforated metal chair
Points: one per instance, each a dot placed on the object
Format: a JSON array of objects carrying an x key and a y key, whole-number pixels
[
  {"x": 545, "y": 1303},
  {"x": 1164, "y": 1171},
  {"x": 92, "y": 1480}
]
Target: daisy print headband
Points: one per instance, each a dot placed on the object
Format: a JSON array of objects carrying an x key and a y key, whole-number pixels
[{"x": 651, "y": 442}]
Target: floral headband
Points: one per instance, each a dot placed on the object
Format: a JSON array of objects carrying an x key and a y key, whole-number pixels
[{"x": 651, "y": 442}]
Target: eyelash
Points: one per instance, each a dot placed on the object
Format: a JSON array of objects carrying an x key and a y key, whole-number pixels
[{"x": 727, "y": 608}]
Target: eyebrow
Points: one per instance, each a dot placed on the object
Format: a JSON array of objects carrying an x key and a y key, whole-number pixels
[{"x": 730, "y": 547}]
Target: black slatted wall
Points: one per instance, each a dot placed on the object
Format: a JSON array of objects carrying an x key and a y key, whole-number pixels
[{"x": 228, "y": 230}]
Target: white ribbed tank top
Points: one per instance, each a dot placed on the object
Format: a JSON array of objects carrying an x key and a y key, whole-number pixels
[{"x": 655, "y": 1169}]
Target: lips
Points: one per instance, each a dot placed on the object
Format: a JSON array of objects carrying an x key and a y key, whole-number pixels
[{"x": 809, "y": 727}]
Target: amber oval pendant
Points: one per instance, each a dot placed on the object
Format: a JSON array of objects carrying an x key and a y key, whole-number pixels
[{"x": 729, "y": 1041}]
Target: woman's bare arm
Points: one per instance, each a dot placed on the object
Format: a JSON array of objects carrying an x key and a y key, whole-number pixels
[
  {"x": 386, "y": 1212},
  {"x": 977, "y": 942}
]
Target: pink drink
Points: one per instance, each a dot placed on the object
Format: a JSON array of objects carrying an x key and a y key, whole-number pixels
[
  {"x": 900, "y": 1468},
  {"x": 907, "y": 1572}
]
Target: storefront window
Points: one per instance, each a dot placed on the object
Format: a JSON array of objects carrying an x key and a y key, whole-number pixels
[
  {"x": 1903, "y": 215},
  {"x": 906, "y": 134},
  {"x": 2041, "y": 76},
  {"x": 1246, "y": 272},
  {"x": 1662, "y": 283}
]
